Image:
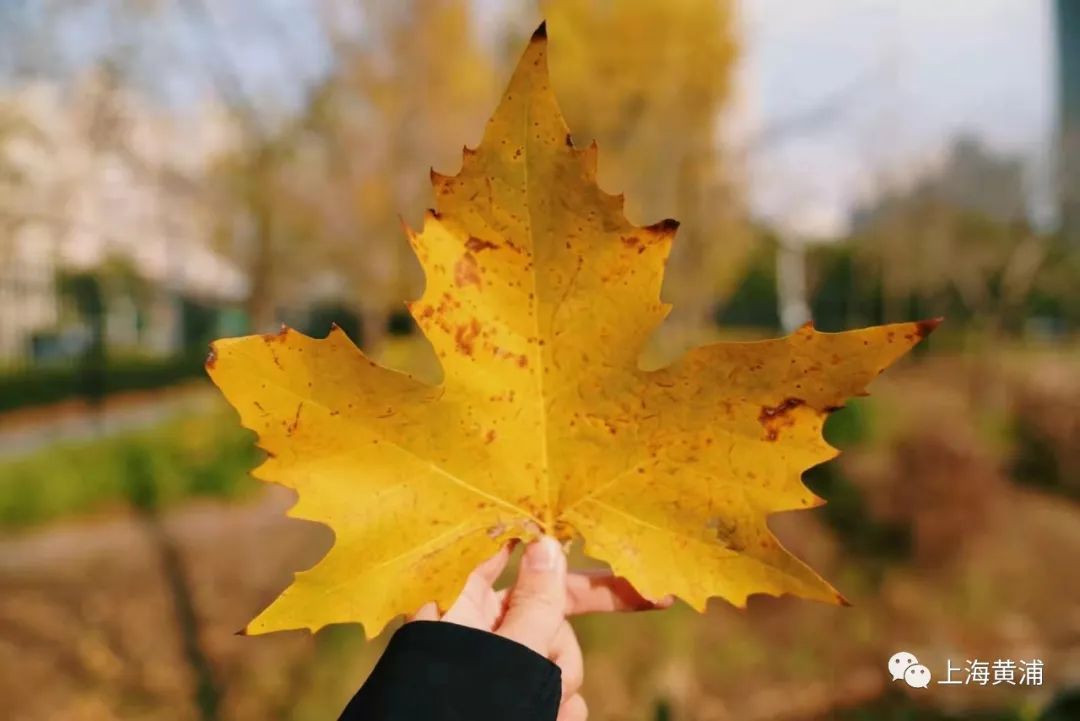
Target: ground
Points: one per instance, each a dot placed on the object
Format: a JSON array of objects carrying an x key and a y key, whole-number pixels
[{"x": 94, "y": 612}]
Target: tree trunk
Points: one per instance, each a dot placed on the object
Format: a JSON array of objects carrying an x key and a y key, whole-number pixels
[{"x": 260, "y": 303}]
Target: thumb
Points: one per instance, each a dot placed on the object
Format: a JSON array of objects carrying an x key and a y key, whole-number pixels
[{"x": 537, "y": 602}]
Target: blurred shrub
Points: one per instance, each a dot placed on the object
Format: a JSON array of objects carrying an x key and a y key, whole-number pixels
[
  {"x": 754, "y": 302},
  {"x": 323, "y": 316},
  {"x": 847, "y": 512},
  {"x": 194, "y": 456},
  {"x": 843, "y": 295},
  {"x": 898, "y": 706},
  {"x": 1045, "y": 420},
  {"x": 1029, "y": 288},
  {"x": 943, "y": 485},
  {"x": 933, "y": 467},
  {"x": 42, "y": 385}
]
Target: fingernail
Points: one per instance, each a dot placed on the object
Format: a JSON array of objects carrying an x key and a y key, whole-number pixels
[{"x": 543, "y": 555}]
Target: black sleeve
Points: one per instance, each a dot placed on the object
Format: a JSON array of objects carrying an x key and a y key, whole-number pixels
[{"x": 438, "y": 671}]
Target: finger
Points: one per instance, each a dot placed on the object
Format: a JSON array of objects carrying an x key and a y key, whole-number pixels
[
  {"x": 602, "y": 591},
  {"x": 573, "y": 709},
  {"x": 566, "y": 654},
  {"x": 470, "y": 607},
  {"x": 537, "y": 599},
  {"x": 428, "y": 612},
  {"x": 490, "y": 570}
]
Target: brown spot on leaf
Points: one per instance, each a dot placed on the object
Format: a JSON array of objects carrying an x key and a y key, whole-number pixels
[
  {"x": 278, "y": 337},
  {"x": 522, "y": 360},
  {"x": 476, "y": 245},
  {"x": 489, "y": 436},
  {"x": 465, "y": 336},
  {"x": 211, "y": 359},
  {"x": 466, "y": 271},
  {"x": 295, "y": 423},
  {"x": 773, "y": 418},
  {"x": 778, "y": 410},
  {"x": 274, "y": 356},
  {"x": 725, "y": 532}
]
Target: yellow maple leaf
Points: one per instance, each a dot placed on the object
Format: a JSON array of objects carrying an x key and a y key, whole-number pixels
[{"x": 539, "y": 297}]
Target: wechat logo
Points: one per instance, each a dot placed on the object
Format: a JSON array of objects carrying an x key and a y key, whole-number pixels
[{"x": 903, "y": 666}]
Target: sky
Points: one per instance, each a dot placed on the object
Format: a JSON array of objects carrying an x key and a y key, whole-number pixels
[
  {"x": 844, "y": 95},
  {"x": 836, "y": 97}
]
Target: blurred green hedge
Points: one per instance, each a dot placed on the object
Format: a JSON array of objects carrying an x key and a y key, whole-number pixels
[
  {"x": 202, "y": 455},
  {"x": 35, "y": 386}
]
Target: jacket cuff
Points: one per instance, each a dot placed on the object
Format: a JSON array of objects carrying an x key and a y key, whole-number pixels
[{"x": 439, "y": 670}]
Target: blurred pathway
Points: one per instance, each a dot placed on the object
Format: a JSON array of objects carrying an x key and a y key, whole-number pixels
[
  {"x": 87, "y": 611},
  {"x": 205, "y": 524},
  {"x": 26, "y": 431}
]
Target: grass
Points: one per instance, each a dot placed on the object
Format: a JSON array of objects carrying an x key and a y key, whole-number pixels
[{"x": 199, "y": 455}]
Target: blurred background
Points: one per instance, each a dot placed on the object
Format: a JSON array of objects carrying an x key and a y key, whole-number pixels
[{"x": 172, "y": 171}]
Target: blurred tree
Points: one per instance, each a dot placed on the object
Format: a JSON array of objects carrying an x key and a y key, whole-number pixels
[
  {"x": 250, "y": 220},
  {"x": 405, "y": 94},
  {"x": 955, "y": 241},
  {"x": 249, "y": 211},
  {"x": 650, "y": 82},
  {"x": 15, "y": 128},
  {"x": 316, "y": 210}
]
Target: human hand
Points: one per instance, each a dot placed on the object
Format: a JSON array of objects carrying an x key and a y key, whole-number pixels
[{"x": 533, "y": 611}]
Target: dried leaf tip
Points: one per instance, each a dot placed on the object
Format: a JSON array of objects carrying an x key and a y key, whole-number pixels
[
  {"x": 926, "y": 327},
  {"x": 667, "y": 226},
  {"x": 541, "y": 32}
]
